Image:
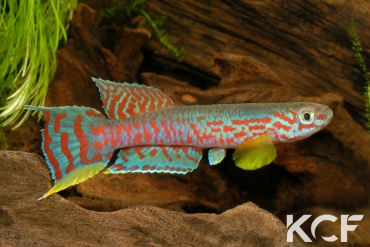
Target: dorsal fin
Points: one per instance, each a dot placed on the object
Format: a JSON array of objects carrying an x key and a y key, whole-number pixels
[{"x": 122, "y": 100}]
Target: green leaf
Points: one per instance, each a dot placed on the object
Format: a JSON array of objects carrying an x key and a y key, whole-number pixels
[
  {"x": 355, "y": 38},
  {"x": 28, "y": 61}
]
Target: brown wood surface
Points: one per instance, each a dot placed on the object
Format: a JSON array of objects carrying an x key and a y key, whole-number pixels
[{"x": 305, "y": 42}]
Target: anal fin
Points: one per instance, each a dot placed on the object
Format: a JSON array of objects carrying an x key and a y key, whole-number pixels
[
  {"x": 255, "y": 153},
  {"x": 171, "y": 159}
]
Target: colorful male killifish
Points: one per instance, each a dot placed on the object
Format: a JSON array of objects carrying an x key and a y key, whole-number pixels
[{"x": 153, "y": 135}]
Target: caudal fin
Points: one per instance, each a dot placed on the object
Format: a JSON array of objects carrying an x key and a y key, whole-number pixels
[{"x": 70, "y": 148}]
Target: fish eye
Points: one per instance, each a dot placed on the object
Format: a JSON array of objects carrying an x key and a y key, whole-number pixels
[{"x": 307, "y": 117}]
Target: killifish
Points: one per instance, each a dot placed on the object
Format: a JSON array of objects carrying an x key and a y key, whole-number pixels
[{"x": 154, "y": 135}]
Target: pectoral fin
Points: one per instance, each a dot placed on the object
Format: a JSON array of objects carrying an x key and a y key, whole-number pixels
[
  {"x": 255, "y": 153},
  {"x": 216, "y": 155}
]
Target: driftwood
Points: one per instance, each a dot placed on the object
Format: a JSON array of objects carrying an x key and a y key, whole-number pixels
[
  {"x": 306, "y": 43},
  {"x": 24, "y": 221}
]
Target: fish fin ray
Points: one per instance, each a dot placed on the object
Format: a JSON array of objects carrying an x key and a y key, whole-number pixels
[
  {"x": 255, "y": 153},
  {"x": 77, "y": 176},
  {"x": 122, "y": 100},
  {"x": 150, "y": 159},
  {"x": 67, "y": 145},
  {"x": 216, "y": 155}
]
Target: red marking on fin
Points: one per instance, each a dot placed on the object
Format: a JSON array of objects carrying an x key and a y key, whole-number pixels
[
  {"x": 48, "y": 151},
  {"x": 124, "y": 158},
  {"x": 124, "y": 101},
  {"x": 138, "y": 151},
  {"x": 66, "y": 151},
  {"x": 153, "y": 152},
  {"x": 58, "y": 118},
  {"x": 186, "y": 150},
  {"x": 92, "y": 113},
  {"x": 133, "y": 99},
  {"x": 133, "y": 168},
  {"x": 120, "y": 167},
  {"x": 164, "y": 150}
]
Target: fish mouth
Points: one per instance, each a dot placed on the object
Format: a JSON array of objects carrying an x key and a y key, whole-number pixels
[
  {"x": 329, "y": 116},
  {"x": 326, "y": 116}
]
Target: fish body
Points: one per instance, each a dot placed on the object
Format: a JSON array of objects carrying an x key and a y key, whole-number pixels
[
  {"x": 153, "y": 135},
  {"x": 209, "y": 126}
]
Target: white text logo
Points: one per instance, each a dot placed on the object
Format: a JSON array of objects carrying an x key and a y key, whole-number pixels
[{"x": 345, "y": 227}]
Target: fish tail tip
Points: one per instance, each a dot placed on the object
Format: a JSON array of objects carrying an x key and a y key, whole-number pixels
[
  {"x": 43, "y": 197},
  {"x": 29, "y": 107},
  {"x": 50, "y": 192},
  {"x": 34, "y": 108}
]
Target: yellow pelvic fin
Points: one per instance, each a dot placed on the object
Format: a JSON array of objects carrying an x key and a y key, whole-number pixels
[
  {"x": 255, "y": 153},
  {"x": 76, "y": 176}
]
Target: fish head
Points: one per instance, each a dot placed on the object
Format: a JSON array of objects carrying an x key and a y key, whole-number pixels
[{"x": 302, "y": 120}]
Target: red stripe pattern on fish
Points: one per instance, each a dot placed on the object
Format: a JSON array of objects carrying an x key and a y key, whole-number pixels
[{"x": 153, "y": 135}]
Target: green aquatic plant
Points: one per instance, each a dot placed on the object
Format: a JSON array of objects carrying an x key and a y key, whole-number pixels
[
  {"x": 30, "y": 33},
  {"x": 3, "y": 141},
  {"x": 356, "y": 46},
  {"x": 122, "y": 13}
]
